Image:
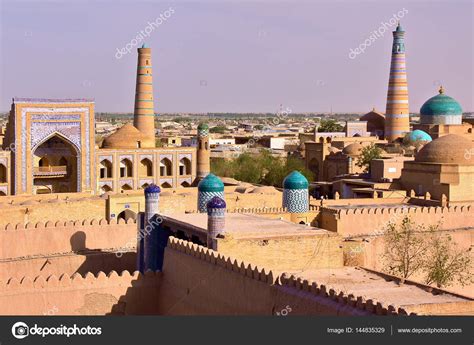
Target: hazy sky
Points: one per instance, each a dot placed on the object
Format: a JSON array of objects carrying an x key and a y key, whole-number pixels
[{"x": 240, "y": 56}]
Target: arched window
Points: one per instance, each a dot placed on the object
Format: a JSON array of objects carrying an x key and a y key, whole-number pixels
[
  {"x": 185, "y": 166},
  {"x": 43, "y": 162},
  {"x": 105, "y": 169},
  {"x": 185, "y": 184},
  {"x": 146, "y": 168},
  {"x": 126, "y": 215},
  {"x": 126, "y": 168},
  {"x": 165, "y": 167},
  {"x": 63, "y": 162},
  {"x": 3, "y": 173},
  {"x": 145, "y": 185}
]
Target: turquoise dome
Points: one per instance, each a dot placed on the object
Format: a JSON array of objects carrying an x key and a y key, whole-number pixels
[
  {"x": 441, "y": 104},
  {"x": 418, "y": 135},
  {"x": 295, "y": 180},
  {"x": 203, "y": 125},
  {"x": 144, "y": 45},
  {"x": 211, "y": 183}
]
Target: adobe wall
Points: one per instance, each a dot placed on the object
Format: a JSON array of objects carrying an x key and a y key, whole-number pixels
[
  {"x": 99, "y": 294},
  {"x": 77, "y": 208},
  {"x": 194, "y": 281},
  {"x": 63, "y": 237},
  {"x": 369, "y": 254},
  {"x": 291, "y": 253},
  {"x": 199, "y": 281},
  {"x": 68, "y": 263},
  {"x": 370, "y": 220}
]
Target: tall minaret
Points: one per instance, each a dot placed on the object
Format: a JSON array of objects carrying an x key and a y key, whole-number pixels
[
  {"x": 397, "y": 121},
  {"x": 144, "y": 114}
]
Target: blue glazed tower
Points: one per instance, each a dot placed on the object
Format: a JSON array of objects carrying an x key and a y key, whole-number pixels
[
  {"x": 215, "y": 220},
  {"x": 149, "y": 227},
  {"x": 208, "y": 188},
  {"x": 295, "y": 193}
]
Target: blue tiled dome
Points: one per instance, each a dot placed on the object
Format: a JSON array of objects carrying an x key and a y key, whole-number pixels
[
  {"x": 153, "y": 188},
  {"x": 295, "y": 180},
  {"x": 216, "y": 202},
  {"x": 418, "y": 135},
  {"x": 441, "y": 104},
  {"x": 211, "y": 183}
]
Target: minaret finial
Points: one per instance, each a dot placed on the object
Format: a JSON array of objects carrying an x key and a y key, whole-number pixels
[{"x": 441, "y": 90}]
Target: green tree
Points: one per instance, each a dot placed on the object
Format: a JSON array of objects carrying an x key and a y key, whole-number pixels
[
  {"x": 405, "y": 248},
  {"x": 218, "y": 129},
  {"x": 417, "y": 249},
  {"x": 446, "y": 263},
  {"x": 367, "y": 155},
  {"x": 330, "y": 125}
]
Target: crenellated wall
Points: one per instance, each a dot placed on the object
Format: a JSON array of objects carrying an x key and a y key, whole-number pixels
[
  {"x": 194, "y": 281},
  {"x": 368, "y": 220},
  {"x": 87, "y": 294},
  {"x": 199, "y": 281},
  {"x": 43, "y": 239}
]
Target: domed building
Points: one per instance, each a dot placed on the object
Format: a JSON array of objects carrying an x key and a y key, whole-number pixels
[
  {"x": 444, "y": 166},
  {"x": 126, "y": 137},
  {"x": 441, "y": 115},
  {"x": 375, "y": 123},
  {"x": 417, "y": 136},
  {"x": 353, "y": 150},
  {"x": 441, "y": 109}
]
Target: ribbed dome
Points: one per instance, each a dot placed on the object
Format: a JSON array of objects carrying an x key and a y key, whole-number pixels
[
  {"x": 451, "y": 148},
  {"x": 295, "y": 180},
  {"x": 127, "y": 137},
  {"x": 441, "y": 104},
  {"x": 153, "y": 188},
  {"x": 417, "y": 135},
  {"x": 211, "y": 183},
  {"x": 216, "y": 202},
  {"x": 353, "y": 149}
]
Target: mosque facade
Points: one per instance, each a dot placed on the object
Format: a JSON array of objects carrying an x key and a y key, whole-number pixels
[{"x": 49, "y": 147}]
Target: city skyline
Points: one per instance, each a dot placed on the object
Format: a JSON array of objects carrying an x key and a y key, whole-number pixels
[{"x": 253, "y": 63}]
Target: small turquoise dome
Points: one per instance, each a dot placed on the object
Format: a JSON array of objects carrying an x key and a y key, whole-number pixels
[
  {"x": 295, "y": 180},
  {"x": 211, "y": 183},
  {"x": 216, "y": 202},
  {"x": 203, "y": 125},
  {"x": 441, "y": 104},
  {"x": 418, "y": 135},
  {"x": 153, "y": 188},
  {"x": 144, "y": 45}
]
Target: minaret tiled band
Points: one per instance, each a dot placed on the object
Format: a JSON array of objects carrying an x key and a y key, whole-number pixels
[
  {"x": 397, "y": 122},
  {"x": 144, "y": 113}
]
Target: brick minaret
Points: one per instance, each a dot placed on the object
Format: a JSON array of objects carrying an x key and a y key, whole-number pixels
[
  {"x": 203, "y": 153},
  {"x": 397, "y": 121},
  {"x": 215, "y": 220},
  {"x": 144, "y": 113}
]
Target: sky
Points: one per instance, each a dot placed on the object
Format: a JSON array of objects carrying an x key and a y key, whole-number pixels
[{"x": 235, "y": 56}]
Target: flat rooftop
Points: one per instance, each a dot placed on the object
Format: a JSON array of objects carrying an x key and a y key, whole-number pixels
[
  {"x": 370, "y": 285},
  {"x": 246, "y": 226}
]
